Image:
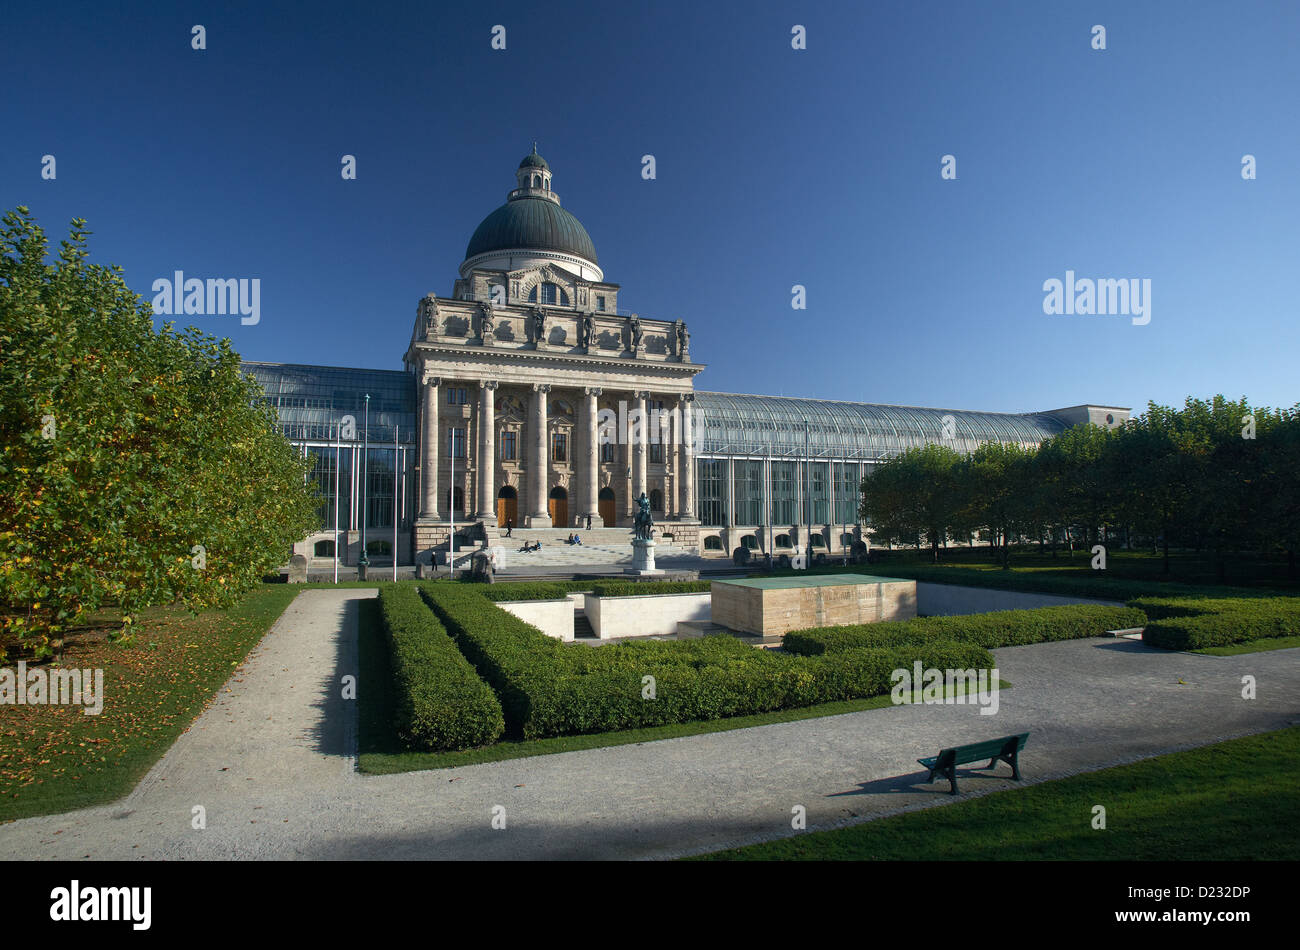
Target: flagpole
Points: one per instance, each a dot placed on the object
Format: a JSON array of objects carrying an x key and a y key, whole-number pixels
[
  {"x": 338, "y": 463},
  {"x": 451, "y": 505},
  {"x": 397, "y": 461}
]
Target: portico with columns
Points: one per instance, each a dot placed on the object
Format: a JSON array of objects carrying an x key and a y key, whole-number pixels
[{"x": 541, "y": 403}]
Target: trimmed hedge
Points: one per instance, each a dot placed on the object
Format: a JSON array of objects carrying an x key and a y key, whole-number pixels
[
  {"x": 530, "y": 590},
  {"x": 1003, "y": 628},
  {"x": 648, "y": 588},
  {"x": 1195, "y": 623},
  {"x": 549, "y": 688},
  {"x": 441, "y": 704}
]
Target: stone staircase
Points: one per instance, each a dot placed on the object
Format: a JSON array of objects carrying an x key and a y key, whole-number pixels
[
  {"x": 582, "y": 628},
  {"x": 604, "y": 546}
]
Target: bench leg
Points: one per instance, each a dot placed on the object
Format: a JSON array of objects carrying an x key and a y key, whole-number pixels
[
  {"x": 952, "y": 777},
  {"x": 993, "y": 763}
]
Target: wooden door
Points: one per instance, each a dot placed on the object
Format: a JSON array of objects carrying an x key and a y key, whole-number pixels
[
  {"x": 559, "y": 511},
  {"x": 607, "y": 514},
  {"x": 508, "y": 511}
]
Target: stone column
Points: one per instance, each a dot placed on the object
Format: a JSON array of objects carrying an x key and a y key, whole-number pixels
[
  {"x": 639, "y": 447},
  {"x": 591, "y": 460},
  {"x": 430, "y": 435},
  {"x": 538, "y": 515},
  {"x": 686, "y": 456},
  {"x": 486, "y": 461}
]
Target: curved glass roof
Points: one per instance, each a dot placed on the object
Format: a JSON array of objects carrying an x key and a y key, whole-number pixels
[
  {"x": 311, "y": 401},
  {"x": 733, "y": 424}
]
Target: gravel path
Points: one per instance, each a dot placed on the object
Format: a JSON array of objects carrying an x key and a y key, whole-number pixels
[{"x": 272, "y": 761}]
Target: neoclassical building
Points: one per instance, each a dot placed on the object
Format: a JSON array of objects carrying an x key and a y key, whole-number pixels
[{"x": 530, "y": 397}]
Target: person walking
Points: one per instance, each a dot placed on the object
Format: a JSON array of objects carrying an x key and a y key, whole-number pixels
[
  {"x": 588, "y": 522},
  {"x": 510, "y": 527}
]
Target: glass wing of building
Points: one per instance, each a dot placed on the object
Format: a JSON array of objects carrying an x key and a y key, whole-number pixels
[
  {"x": 816, "y": 452},
  {"x": 729, "y": 424},
  {"x": 313, "y": 403}
]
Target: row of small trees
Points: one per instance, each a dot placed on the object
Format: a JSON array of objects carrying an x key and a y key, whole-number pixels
[
  {"x": 1216, "y": 475},
  {"x": 135, "y": 466}
]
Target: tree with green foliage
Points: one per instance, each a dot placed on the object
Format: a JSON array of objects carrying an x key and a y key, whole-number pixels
[
  {"x": 997, "y": 485},
  {"x": 138, "y": 467},
  {"x": 1277, "y": 494},
  {"x": 915, "y": 494},
  {"x": 1074, "y": 482}
]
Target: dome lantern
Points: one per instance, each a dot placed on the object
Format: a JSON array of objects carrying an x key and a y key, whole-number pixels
[{"x": 534, "y": 174}]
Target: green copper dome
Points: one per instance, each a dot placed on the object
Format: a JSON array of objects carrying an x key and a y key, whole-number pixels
[
  {"x": 533, "y": 160},
  {"x": 534, "y": 223}
]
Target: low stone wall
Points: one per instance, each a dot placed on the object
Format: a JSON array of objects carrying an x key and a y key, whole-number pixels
[
  {"x": 770, "y": 607},
  {"x": 553, "y": 617},
  {"x": 945, "y": 600},
  {"x": 643, "y": 615}
]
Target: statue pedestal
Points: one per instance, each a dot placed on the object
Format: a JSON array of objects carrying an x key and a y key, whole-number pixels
[{"x": 643, "y": 558}]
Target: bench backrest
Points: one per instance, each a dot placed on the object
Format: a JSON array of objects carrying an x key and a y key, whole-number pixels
[{"x": 983, "y": 750}]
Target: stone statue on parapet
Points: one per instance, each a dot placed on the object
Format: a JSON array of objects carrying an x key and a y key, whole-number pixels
[
  {"x": 634, "y": 331},
  {"x": 487, "y": 323},
  {"x": 643, "y": 524},
  {"x": 539, "y": 325},
  {"x": 683, "y": 341},
  {"x": 427, "y": 311},
  {"x": 586, "y": 330}
]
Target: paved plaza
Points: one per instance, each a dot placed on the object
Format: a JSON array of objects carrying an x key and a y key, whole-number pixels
[{"x": 272, "y": 761}]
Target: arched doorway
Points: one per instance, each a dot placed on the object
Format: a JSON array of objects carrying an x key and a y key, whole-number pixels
[
  {"x": 507, "y": 506},
  {"x": 558, "y": 506},
  {"x": 606, "y": 506}
]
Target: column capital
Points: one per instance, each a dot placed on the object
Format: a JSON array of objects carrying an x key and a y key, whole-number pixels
[
  {"x": 592, "y": 390},
  {"x": 641, "y": 394},
  {"x": 541, "y": 387},
  {"x": 686, "y": 397},
  {"x": 428, "y": 379},
  {"x": 488, "y": 384}
]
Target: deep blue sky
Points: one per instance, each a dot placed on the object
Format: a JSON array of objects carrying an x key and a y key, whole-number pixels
[{"x": 775, "y": 167}]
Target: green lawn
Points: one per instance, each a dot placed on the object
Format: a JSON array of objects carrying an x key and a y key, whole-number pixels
[
  {"x": 381, "y": 753},
  {"x": 1237, "y": 800},
  {"x": 1252, "y": 646},
  {"x": 56, "y": 758},
  {"x": 1128, "y": 574}
]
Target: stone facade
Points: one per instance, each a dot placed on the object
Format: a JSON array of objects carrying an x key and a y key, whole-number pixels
[{"x": 544, "y": 406}]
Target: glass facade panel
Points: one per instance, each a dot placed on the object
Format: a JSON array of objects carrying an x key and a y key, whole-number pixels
[
  {"x": 380, "y": 500},
  {"x": 747, "y": 476},
  {"x": 785, "y": 493},
  {"x": 323, "y": 463},
  {"x": 847, "y": 484},
  {"x": 817, "y": 485},
  {"x": 711, "y": 490}
]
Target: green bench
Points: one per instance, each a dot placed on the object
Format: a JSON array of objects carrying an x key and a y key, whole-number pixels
[{"x": 1007, "y": 749}]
